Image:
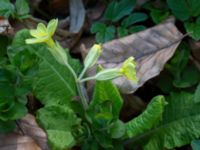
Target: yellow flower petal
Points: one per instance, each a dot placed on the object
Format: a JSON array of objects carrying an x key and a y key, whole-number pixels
[
  {"x": 52, "y": 25},
  {"x": 36, "y": 40},
  {"x": 128, "y": 69},
  {"x": 41, "y": 28}
]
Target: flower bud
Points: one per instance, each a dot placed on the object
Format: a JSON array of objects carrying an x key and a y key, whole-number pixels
[
  {"x": 108, "y": 74},
  {"x": 92, "y": 56}
]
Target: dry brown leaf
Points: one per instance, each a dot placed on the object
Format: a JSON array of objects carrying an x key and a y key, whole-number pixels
[
  {"x": 77, "y": 15},
  {"x": 16, "y": 141},
  {"x": 151, "y": 48},
  {"x": 5, "y": 27},
  {"x": 29, "y": 127}
]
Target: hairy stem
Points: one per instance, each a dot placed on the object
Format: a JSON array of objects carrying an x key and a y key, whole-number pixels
[{"x": 80, "y": 88}]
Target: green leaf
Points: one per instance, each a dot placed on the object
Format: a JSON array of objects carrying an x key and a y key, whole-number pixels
[
  {"x": 197, "y": 94},
  {"x": 179, "y": 60},
  {"x": 159, "y": 15},
  {"x": 122, "y": 31},
  {"x": 184, "y": 9},
  {"x": 103, "y": 33},
  {"x": 22, "y": 8},
  {"x": 189, "y": 77},
  {"x": 57, "y": 117},
  {"x": 104, "y": 91},
  {"x": 195, "y": 144},
  {"x": 60, "y": 122},
  {"x": 60, "y": 140},
  {"x": 53, "y": 82},
  {"x": 4, "y": 41},
  {"x": 6, "y": 8},
  {"x": 12, "y": 105},
  {"x": 165, "y": 83},
  {"x": 138, "y": 28},
  {"x": 148, "y": 119},
  {"x": 180, "y": 123},
  {"x": 118, "y": 129},
  {"x": 193, "y": 29},
  {"x": 134, "y": 18},
  {"x": 117, "y": 10},
  {"x": 7, "y": 126},
  {"x": 21, "y": 56}
]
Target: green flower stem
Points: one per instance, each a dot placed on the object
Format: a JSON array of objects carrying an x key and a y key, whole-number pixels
[
  {"x": 81, "y": 92},
  {"x": 87, "y": 79},
  {"x": 82, "y": 73},
  {"x": 50, "y": 43}
]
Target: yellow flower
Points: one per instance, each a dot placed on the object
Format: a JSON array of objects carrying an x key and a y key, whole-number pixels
[
  {"x": 44, "y": 34},
  {"x": 128, "y": 69}
]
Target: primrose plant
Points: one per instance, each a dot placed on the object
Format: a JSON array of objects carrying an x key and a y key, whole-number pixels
[
  {"x": 44, "y": 34},
  {"x": 91, "y": 124}
]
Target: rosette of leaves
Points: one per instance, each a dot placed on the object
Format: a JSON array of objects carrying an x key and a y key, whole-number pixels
[{"x": 118, "y": 19}]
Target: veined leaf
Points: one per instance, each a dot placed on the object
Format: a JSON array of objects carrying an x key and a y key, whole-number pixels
[
  {"x": 105, "y": 90},
  {"x": 54, "y": 83},
  {"x": 60, "y": 122},
  {"x": 179, "y": 126},
  {"x": 147, "y": 119}
]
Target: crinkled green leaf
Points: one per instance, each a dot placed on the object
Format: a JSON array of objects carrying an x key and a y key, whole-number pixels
[
  {"x": 12, "y": 105},
  {"x": 22, "y": 8},
  {"x": 118, "y": 129},
  {"x": 6, "y": 8},
  {"x": 61, "y": 123},
  {"x": 60, "y": 140},
  {"x": 179, "y": 126},
  {"x": 148, "y": 119},
  {"x": 54, "y": 83},
  {"x": 57, "y": 117},
  {"x": 104, "y": 91},
  {"x": 21, "y": 56}
]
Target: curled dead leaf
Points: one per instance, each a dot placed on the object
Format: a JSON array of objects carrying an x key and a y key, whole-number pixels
[
  {"x": 151, "y": 48},
  {"x": 29, "y": 127},
  {"x": 5, "y": 27},
  {"x": 16, "y": 141}
]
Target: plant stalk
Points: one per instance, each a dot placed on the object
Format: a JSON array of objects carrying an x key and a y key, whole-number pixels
[{"x": 80, "y": 89}]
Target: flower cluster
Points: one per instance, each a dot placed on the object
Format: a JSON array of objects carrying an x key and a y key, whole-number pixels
[{"x": 44, "y": 34}]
